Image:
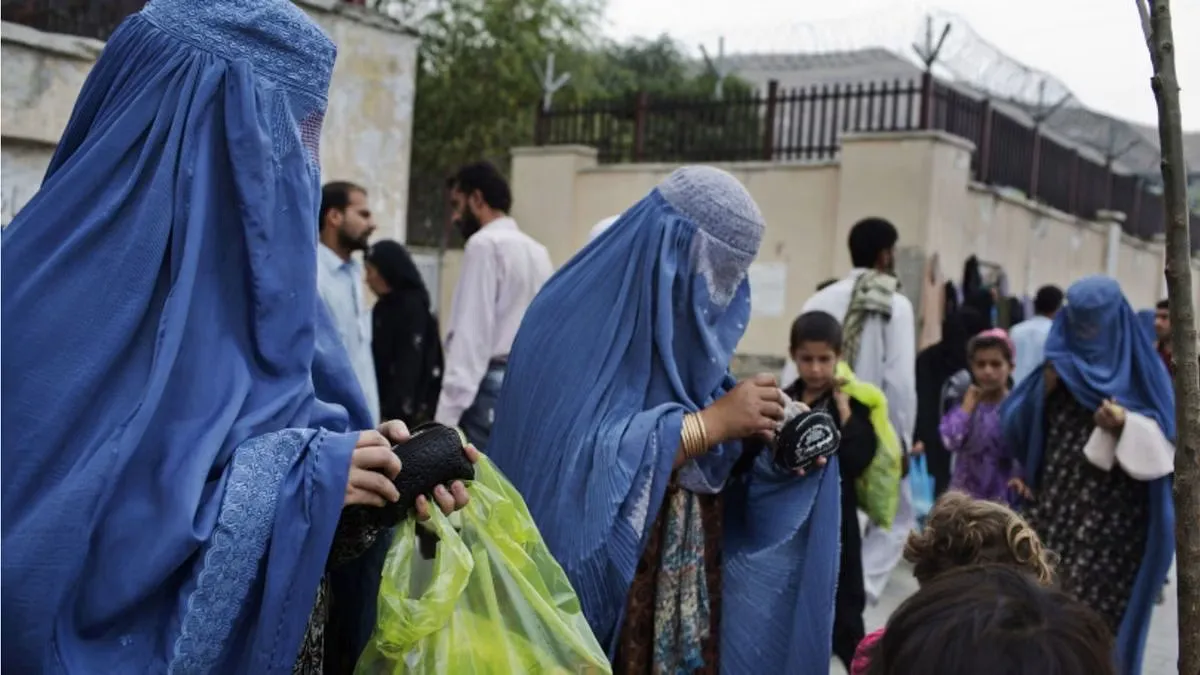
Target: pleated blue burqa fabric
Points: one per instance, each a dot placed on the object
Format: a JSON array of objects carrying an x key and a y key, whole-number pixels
[
  {"x": 173, "y": 469},
  {"x": 635, "y": 331}
]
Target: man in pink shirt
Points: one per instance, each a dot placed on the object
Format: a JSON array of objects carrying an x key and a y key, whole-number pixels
[{"x": 502, "y": 270}]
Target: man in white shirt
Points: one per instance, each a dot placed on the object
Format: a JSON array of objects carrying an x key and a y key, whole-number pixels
[
  {"x": 1029, "y": 336},
  {"x": 886, "y": 357},
  {"x": 346, "y": 227},
  {"x": 601, "y": 227},
  {"x": 502, "y": 270}
]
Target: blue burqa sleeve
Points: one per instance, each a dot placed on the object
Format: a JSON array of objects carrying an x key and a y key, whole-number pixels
[{"x": 176, "y": 413}]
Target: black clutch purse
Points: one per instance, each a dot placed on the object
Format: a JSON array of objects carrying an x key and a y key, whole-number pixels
[
  {"x": 806, "y": 437},
  {"x": 433, "y": 456}
]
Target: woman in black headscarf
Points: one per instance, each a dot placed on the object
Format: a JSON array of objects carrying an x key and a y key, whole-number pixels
[
  {"x": 406, "y": 342},
  {"x": 935, "y": 366}
]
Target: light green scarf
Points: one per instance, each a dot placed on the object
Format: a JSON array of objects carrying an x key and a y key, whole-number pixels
[{"x": 872, "y": 294}]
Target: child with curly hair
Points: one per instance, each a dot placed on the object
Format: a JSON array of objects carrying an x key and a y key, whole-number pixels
[
  {"x": 962, "y": 531},
  {"x": 993, "y": 620}
]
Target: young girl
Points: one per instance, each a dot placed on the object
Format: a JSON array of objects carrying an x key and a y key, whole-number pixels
[
  {"x": 960, "y": 532},
  {"x": 972, "y": 432}
]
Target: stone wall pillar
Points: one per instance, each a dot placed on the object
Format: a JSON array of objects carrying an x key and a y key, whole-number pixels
[
  {"x": 1111, "y": 221},
  {"x": 544, "y": 194}
]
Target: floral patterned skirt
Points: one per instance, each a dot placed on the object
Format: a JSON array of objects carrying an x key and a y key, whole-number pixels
[
  {"x": 636, "y": 650},
  {"x": 1094, "y": 520}
]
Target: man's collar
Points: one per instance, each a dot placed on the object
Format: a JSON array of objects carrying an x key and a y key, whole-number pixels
[
  {"x": 330, "y": 259},
  {"x": 501, "y": 223}
]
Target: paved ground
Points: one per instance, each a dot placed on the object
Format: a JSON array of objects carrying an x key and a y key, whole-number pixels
[{"x": 1162, "y": 646}]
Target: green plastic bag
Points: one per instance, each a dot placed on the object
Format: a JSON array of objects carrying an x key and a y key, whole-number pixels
[
  {"x": 878, "y": 488},
  {"x": 492, "y": 599}
]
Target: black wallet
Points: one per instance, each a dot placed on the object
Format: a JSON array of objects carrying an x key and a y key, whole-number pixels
[
  {"x": 805, "y": 438},
  {"x": 433, "y": 456}
]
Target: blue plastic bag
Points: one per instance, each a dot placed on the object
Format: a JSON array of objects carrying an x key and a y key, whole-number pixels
[{"x": 921, "y": 484}]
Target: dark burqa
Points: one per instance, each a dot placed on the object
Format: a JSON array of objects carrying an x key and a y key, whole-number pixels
[
  {"x": 406, "y": 345},
  {"x": 935, "y": 365}
]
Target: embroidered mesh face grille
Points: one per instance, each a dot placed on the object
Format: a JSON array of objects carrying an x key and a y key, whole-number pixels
[
  {"x": 729, "y": 222},
  {"x": 310, "y": 135}
]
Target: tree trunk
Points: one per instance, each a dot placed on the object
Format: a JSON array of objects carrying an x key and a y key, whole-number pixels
[{"x": 1183, "y": 331}]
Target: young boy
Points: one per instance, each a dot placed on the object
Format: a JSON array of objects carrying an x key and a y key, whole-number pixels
[{"x": 816, "y": 346}]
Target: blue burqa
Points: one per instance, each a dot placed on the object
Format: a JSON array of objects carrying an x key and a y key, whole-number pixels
[
  {"x": 636, "y": 330},
  {"x": 1100, "y": 351},
  {"x": 1145, "y": 319},
  {"x": 172, "y": 478}
]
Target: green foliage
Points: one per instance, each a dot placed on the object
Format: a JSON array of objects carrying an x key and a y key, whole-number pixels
[
  {"x": 477, "y": 91},
  {"x": 658, "y": 67},
  {"x": 476, "y": 86},
  {"x": 683, "y": 120}
]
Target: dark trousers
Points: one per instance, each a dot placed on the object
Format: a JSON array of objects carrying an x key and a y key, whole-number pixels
[
  {"x": 937, "y": 460},
  {"x": 353, "y": 588},
  {"x": 851, "y": 599},
  {"x": 849, "y": 605},
  {"x": 476, "y": 421}
]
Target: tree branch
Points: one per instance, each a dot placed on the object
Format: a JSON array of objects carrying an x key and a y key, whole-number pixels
[{"x": 1157, "y": 25}]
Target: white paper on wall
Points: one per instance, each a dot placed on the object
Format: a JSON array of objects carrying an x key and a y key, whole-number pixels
[{"x": 768, "y": 288}]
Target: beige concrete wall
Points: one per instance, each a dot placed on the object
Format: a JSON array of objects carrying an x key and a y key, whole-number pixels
[
  {"x": 42, "y": 75},
  {"x": 572, "y": 193},
  {"x": 367, "y": 135},
  {"x": 918, "y": 180},
  {"x": 367, "y": 132}
]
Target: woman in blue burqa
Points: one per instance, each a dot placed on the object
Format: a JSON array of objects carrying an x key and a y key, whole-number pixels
[
  {"x": 621, "y": 425},
  {"x": 1094, "y": 429},
  {"x": 181, "y": 425}
]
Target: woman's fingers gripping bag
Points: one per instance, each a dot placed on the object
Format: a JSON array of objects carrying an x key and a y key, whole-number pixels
[{"x": 490, "y": 600}]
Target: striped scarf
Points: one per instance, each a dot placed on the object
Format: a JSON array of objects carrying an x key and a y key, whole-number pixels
[{"x": 872, "y": 294}]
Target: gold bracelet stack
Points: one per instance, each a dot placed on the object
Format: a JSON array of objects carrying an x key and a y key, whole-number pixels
[{"x": 694, "y": 437}]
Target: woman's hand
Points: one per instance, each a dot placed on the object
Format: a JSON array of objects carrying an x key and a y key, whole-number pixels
[
  {"x": 449, "y": 500},
  {"x": 843, "y": 402},
  {"x": 1110, "y": 416},
  {"x": 1050, "y": 375},
  {"x": 971, "y": 399},
  {"x": 373, "y": 467},
  {"x": 753, "y": 407},
  {"x": 819, "y": 464},
  {"x": 1021, "y": 488}
]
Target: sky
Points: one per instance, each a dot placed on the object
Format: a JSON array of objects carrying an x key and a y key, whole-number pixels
[{"x": 1095, "y": 47}]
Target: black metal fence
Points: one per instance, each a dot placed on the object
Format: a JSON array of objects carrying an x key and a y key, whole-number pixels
[
  {"x": 779, "y": 125},
  {"x": 85, "y": 18},
  {"x": 808, "y": 123}
]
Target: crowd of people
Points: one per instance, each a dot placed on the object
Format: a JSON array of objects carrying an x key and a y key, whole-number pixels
[{"x": 200, "y": 404}]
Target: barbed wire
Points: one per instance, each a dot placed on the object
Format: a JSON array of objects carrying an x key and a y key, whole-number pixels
[{"x": 965, "y": 57}]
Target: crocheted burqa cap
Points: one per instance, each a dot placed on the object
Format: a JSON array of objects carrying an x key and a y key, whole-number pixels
[{"x": 730, "y": 225}]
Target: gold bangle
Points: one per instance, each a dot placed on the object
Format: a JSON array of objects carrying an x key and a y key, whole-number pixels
[
  {"x": 693, "y": 436},
  {"x": 703, "y": 432},
  {"x": 686, "y": 440}
]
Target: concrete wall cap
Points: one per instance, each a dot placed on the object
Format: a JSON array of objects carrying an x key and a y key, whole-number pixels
[
  {"x": 360, "y": 14},
  {"x": 910, "y": 135},
  {"x": 71, "y": 46}
]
